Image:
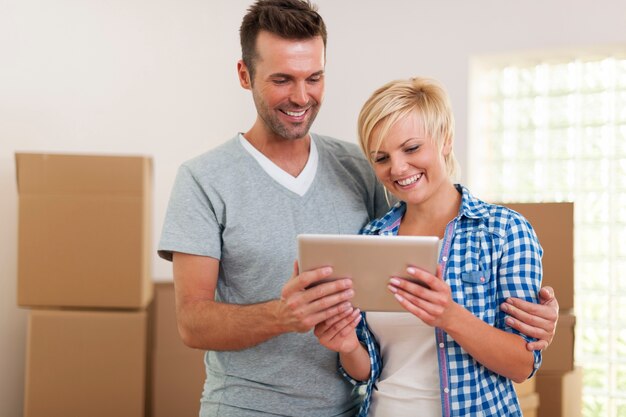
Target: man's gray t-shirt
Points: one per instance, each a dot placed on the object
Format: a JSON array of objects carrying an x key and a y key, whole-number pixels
[{"x": 224, "y": 205}]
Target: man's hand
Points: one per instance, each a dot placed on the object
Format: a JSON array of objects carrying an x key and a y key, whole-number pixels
[
  {"x": 308, "y": 299},
  {"x": 534, "y": 320}
]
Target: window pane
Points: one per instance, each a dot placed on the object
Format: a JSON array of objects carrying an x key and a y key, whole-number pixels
[{"x": 556, "y": 131}]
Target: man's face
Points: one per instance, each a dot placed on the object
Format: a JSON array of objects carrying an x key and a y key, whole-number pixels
[{"x": 288, "y": 85}]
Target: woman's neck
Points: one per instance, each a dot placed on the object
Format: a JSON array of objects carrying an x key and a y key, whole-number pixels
[{"x": 431, "y": 217}]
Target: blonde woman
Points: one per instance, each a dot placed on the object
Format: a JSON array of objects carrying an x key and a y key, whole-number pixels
[{"x": 451, "y": 353}]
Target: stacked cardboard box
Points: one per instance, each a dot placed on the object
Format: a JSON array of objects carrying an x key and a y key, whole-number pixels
[
  {"x": 529, "y": 404},
  {"x": 563, "y": 393},
  {"x": 554, "y": 225},
  {"x": 528, "y": 397},
  {"x": 177, "y": 371},
  {"x": 84, "y": 253},
  {"x": 558, "y": 382}
]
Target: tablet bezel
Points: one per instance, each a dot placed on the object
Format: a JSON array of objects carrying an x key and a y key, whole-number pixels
[{"x": 370, "y": 260}]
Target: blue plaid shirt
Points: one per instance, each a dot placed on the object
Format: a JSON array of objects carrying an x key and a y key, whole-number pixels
[{"x": 489, "y": 253}]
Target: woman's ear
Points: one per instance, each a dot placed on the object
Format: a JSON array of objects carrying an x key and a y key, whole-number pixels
[
  {"x": 244, "y": 75},
  {"x": 447, "y": 147}
]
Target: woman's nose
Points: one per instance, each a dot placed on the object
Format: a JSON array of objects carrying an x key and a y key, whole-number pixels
[{"x": 398, "y": 165}]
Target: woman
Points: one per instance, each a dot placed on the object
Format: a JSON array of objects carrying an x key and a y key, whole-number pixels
[{"x": 488, "y": 254}]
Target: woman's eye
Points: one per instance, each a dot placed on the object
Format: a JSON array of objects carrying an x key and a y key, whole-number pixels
[
  {"x": 412, "y": 149},
  {"x": 379, "y": 159}
]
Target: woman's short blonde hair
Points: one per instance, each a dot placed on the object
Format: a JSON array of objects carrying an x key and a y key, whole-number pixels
[{"x": 398, "y": 98}]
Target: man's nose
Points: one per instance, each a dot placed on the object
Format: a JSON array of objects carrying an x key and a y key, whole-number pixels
[{"x": 299, "y": 94}]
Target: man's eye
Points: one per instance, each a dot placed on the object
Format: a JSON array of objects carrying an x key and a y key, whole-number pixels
[{"x": 280, "y": 81}]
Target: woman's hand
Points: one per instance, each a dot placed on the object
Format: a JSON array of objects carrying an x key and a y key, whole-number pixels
[
  {"x": 503, "y": 353},
  {"x": 430, "y": 301},
  {"x": 338, "y": 332}
]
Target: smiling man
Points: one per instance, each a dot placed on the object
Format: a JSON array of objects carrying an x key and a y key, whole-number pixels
[
  {"x": 231, "y": 227},
  {"x": 287, "y": 86}
]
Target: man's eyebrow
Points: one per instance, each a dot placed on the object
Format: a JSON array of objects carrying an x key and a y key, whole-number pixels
[
  {"x": 284, "y": 75},
  {"x": 280, "y": 75}
]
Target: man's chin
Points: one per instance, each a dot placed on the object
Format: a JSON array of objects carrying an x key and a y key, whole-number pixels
[
  {"x": 297, "y": 136},
  {"x": 293, "y": 134}
]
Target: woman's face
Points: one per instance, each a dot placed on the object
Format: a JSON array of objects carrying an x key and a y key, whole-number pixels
[{"x": 408, "y": 162}]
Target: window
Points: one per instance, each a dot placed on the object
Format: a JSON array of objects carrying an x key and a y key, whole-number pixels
[{"x": 552, "y": 127}]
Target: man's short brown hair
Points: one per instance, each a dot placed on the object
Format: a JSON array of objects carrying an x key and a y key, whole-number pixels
[{"x": 289, "y": 19}]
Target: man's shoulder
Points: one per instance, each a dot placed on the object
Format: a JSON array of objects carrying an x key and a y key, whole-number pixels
[
  {"x": 342, "y": 152},
  {"x": 338, "y": 147},
  {"x": 216, "y": 157}
]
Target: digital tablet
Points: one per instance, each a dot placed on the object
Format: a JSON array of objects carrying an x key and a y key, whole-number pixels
[{"x": 370, "y": 261}]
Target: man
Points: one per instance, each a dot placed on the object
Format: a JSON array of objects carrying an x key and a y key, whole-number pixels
[{"x": 231, "y": 228}]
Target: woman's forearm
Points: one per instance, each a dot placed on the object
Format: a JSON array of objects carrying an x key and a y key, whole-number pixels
[
  {"x": 356, "y": 363},
  {"x": 501, "y": 352}
]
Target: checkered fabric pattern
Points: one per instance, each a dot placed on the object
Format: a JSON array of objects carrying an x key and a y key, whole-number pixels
[{"x": 489, "y": 253}]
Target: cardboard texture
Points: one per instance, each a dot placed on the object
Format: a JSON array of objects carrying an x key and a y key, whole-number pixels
[
  {"x": 525, "y": 388},
  {"x": 84, "y": 231},
  {"x": 554, "y": 225},
  {"x": 86, "y": 363},
  {"x": 560, "y": 393},
  {"x": 178, "y": 371},
  {"x": 529, "y": 404},
  {"x": 559, "y": 356}
]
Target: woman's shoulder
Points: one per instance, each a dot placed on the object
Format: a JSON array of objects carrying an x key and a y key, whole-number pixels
[
  {"x": 496, "y": 217},
  {"x": 386, "y": 222}
]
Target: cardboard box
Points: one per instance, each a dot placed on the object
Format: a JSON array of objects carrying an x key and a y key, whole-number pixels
[
  {"x": 529, "y": 404},
  {"x": 554, "y": 225},
  {"x": 559, "y": 356},
  {"x": 86, "y": 363},
  {"x": 560, "y": 393},
  {"x": 84, "y": 231},
  {"x": 525, "y": 388},
  {"x": 178, "y": 372}
]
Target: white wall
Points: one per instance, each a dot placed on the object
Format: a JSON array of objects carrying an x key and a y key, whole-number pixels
[{"x": 158, "y": 78}]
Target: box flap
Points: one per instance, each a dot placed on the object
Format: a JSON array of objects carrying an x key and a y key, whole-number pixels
[{"x": 38, "y": 173}]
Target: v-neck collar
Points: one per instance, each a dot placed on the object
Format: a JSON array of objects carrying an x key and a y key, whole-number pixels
[{"x": 298, "y": 185}]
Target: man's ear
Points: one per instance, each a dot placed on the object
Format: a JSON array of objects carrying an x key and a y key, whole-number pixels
[{"x": 244, "y": 75}]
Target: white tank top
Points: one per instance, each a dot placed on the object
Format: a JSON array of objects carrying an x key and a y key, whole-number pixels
[{"x": 409, "y": 383}]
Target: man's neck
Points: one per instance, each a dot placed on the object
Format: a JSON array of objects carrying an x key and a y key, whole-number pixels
[{"x": 290, "y": 155}]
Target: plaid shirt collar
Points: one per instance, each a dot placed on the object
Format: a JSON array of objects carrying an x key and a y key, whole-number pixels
[{"x": 471, "y": 208}]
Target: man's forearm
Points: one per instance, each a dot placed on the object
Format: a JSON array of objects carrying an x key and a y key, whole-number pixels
[{"x": 211, "y": 325}]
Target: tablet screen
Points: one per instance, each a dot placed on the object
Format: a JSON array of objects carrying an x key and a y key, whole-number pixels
[{"x": 370, "y": 261}]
